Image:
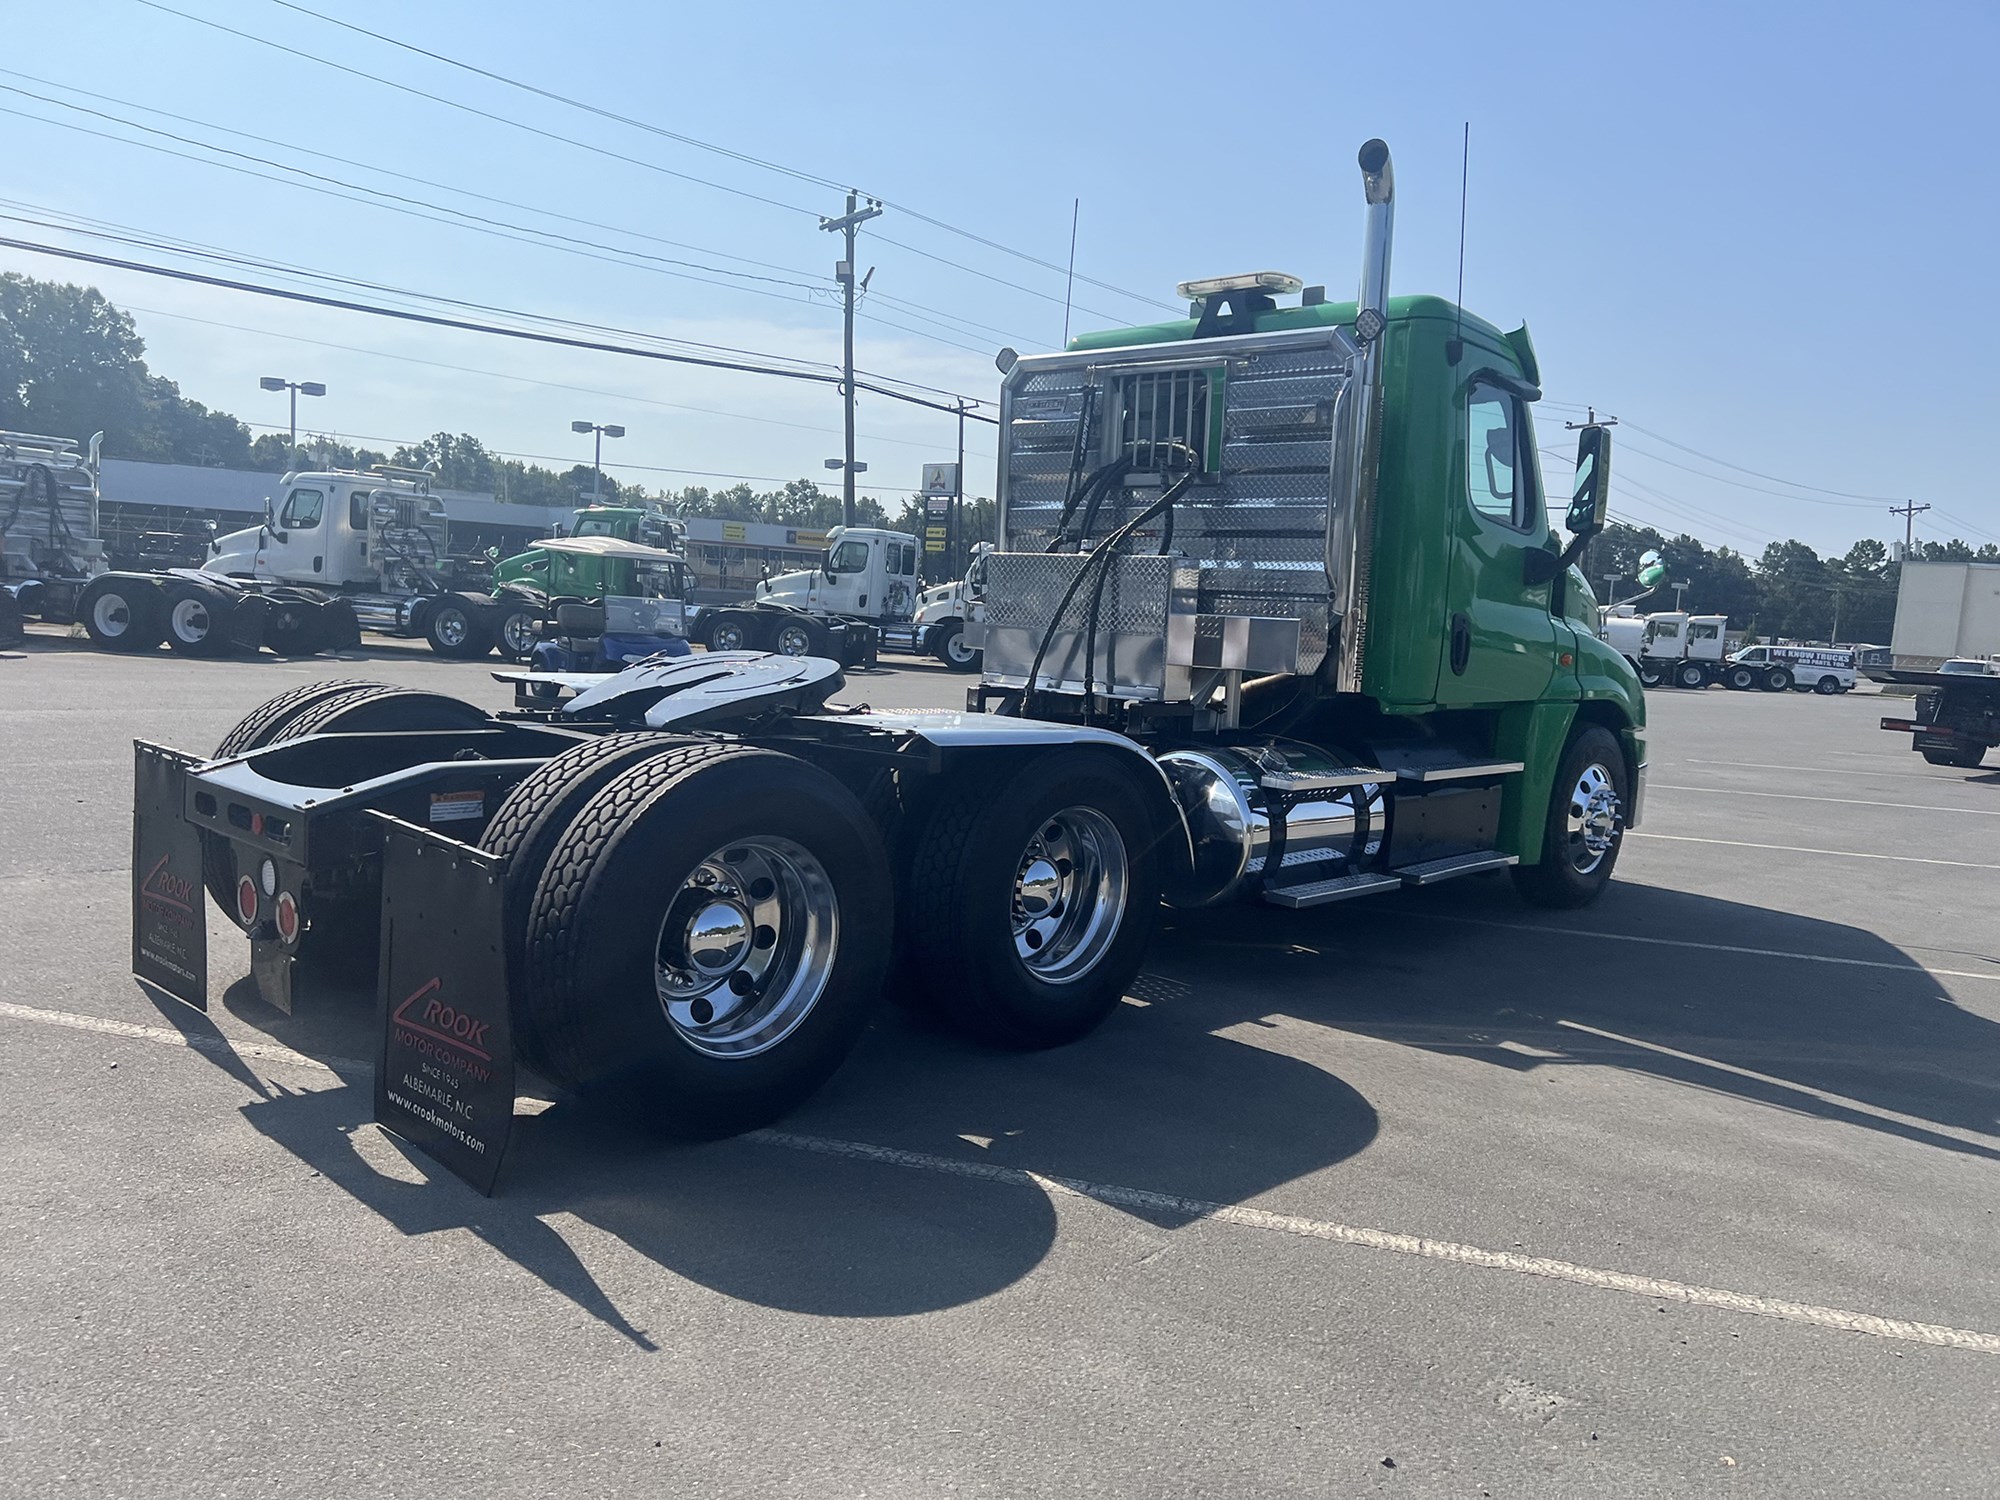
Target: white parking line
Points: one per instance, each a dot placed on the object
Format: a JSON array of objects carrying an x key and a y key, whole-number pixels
[
  {"x": 221, "y": 1046},
  {"x": 1903, "y": 859},
  {"x": 1733, "y": 791},
  {"x": 1902, "y": 771},
  {"x": 1140, "y": 1200},
  {"x": 1661, "y": 942}
]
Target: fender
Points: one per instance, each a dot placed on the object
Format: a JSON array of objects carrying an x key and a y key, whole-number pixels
[{"x": 950, "y": 735}]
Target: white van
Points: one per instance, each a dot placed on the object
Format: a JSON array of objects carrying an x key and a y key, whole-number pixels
[{"x": 1818, "y": 669}]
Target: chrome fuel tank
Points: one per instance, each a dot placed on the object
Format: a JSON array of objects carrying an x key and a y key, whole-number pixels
[{"x": 1256, "y": 808}]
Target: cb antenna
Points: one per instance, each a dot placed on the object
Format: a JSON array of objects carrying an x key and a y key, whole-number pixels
[{"x": 1455, "y": 350}]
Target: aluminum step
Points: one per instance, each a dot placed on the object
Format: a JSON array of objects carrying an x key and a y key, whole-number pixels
[
  {"x": 1431, "y": 871},
  {"x": 1463, "y": 771},
  {"x": 1339, "y": 888},
  {"x": 1290, "y": 783}
]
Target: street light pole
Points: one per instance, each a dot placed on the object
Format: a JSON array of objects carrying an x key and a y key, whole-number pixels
[
  {"x": 296, "y": 387},
  {"x": 603, "y": 430}
]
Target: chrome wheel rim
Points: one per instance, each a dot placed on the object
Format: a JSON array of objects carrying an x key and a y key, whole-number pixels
[
  {"x": 726, "y": 638},
  {"x": 112, "y": 615},
  {"x": 517, "y": 633},
  {"x": 1069, "y": 895},
  {"x": 794, "y": 640},
  {"x": 1592, "y": 821},
  {"x": 746, "y": 947},
  {"x": 190, "y": 621},
  {"x": 450, "y": 626}
]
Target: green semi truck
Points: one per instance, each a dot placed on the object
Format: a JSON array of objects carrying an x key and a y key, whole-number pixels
[{"x": 1276, "y": 615}]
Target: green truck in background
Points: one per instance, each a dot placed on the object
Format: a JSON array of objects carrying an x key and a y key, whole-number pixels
[{"x": 1276, "y": 614}]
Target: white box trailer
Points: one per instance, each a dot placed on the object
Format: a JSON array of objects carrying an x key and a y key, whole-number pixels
[{"x": 1945, "y": 610}]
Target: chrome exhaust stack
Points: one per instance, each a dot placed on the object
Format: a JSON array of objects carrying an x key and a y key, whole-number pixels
[{"x": 1350, "y": 540}]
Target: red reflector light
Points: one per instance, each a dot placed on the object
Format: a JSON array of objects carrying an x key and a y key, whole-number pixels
[
  {"x": 257, "y": 824},
  {"x": 288, "y": 918},
  {"x": 1903, "y": 724},
  {"x": 246, "y": 901}
]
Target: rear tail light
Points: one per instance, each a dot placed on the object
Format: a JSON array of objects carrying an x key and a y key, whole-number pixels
[
  {"x": 246, "y": 901},
  {"x": 288, "y": 919}
]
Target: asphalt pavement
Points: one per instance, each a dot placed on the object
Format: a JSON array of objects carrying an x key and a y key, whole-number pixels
[{"x": 1691, "y": 1192}]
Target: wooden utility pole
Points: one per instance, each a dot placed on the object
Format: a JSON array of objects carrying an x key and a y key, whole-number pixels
[{"x": 845, "y": 226}]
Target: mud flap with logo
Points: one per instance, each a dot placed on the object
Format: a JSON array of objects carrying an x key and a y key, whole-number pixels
[
  {"x": 444, "y": 1074},
  {"x": 169, "y": 907}
]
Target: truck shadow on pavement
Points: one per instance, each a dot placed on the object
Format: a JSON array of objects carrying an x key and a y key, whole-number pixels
[
  {"x": 1805, "y": 1015},
  {"x": 1187, "y": 1096},
  {"x": 1152, "y": 1101}
]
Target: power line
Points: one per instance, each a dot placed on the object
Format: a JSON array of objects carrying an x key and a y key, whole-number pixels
[
  {"x": 479, "y": 224},
  {"x": 1755, "y": 474},
  {"x": 688, "y": 140},
  {"x": 471, "y": 110},
  {"x": 437, "y": 321},
  {"x": 552, "y": 385},
  {"x": 791, "y": 275}
]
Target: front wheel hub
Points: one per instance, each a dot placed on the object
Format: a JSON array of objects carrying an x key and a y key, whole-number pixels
[
  {"x": 1069, "y": 895},
  {"x": 1592, "y": 822}
]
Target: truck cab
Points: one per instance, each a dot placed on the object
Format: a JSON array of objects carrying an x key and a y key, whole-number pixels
[
  {"x": 865, "y": 572},
  {"x": 341, "y": 530}
]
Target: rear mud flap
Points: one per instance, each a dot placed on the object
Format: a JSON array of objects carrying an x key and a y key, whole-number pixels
[
  {"x": 169, "y": 907},
  {"x": 444, "y": 1072}
]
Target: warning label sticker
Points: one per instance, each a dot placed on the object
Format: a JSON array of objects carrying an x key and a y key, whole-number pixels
[{"x": 457, "y": 807}]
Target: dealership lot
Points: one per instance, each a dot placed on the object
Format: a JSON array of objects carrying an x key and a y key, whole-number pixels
[{"x": 1695, "y": 1188}]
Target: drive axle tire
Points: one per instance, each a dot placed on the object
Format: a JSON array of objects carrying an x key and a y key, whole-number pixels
[
  {"x": 708, "y": 940},
  {"x": 532, "y": 821},
  {"x": 1742, "y": 679},
  {"x": 197, "y": 618},
  {"x": 456, "y": 628},
  {"x": 1649, "y": 676},
  {"x": 1691, "y": 676},
  {"x": 802, "y": 638},
  {"x": 1030, "y": 903},
  {"x": 730, "y": 632},
  {"x": 1777, "y": 680},
  {"x": 952, "y": 650},
  {"x": 123, "y": 614},
  {"x": 1585, "y": 827},
  {"x": 1964, "y": 757}
]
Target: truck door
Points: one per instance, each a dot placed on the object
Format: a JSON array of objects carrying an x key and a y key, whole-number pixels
[
  {"x": 899, "y": 588},
  {"x": 855, "y": 568},
  {"x": 1499, "y": 635},
  {"x": 295, "y": 544}
]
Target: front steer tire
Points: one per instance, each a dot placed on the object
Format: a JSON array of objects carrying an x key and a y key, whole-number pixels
[
  {"x": 457, "y": 628},
  {"x": 1569, "y": 875},
  {"x": 972, "y": 871},
  {"x": 624, "y": 887}
]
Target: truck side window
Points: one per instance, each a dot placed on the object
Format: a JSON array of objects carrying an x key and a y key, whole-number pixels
[
  {"x": 1500, "y": 474},
  {"x": 357, "y": 511},
  {"x": 302, "y": 510}
]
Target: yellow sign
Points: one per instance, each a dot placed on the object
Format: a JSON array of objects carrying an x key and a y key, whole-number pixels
[
  {"x": 933, "y": 546},
  {"x": 935, "y": 533},
  {"x": 732, "y": 531}
]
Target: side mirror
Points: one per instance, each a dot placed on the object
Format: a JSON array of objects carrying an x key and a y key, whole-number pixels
[{"x": 1590, "y": 503}]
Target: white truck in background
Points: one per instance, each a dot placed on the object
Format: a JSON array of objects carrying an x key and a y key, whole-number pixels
[
  {"x": 1674, "y": 648},
  {"x": 1946, "y": 610},
  {"x": 337, "y": 550},
  {"x": 864, "y": 595},
  {"x": 50, "y": 546}
]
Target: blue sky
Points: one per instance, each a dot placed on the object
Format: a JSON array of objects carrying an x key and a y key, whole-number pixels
[{"x": 1756, "y": 232}]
